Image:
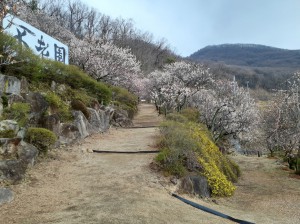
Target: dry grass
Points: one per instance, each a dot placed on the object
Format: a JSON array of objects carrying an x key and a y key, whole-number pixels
[{"x": 78, "y": 187}]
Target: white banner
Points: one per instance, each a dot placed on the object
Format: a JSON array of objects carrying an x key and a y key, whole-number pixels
[{"x": 41, "y": 43}]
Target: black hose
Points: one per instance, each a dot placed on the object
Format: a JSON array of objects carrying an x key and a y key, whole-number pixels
[
  {"x": 211, "y": 211},
  {"x": 126, "y": 152},
  {"x": 153, "y": 126}
]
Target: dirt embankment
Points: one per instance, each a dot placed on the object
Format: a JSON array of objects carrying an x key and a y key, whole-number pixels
[{"x": 80, "y": 187}]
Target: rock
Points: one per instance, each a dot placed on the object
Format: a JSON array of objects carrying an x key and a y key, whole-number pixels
[
  {"x": 21, "y": 133},
  {"x": 38, "y": 106},
  {"x": 37, "y": 101},
  {"x": 1, "y": 106},
  {"x": 13, "y": 98},
  {"x": 53, "y": 85},
  {"x": 12, "y": 170},
  {"x": 69, "y": 134},
  {"x": 24, "y": 86},
  {"x": 95, "y": 121},
  {"x": 27, "y": 153},
  {"x": 106, "y": 115},
  {"x": 174, "y": 180},
  {"x": 81, "y": 123},
  {"x": 10, "y": 85},
  {"x": 6, "y": 196},
  {"x": 9, "y": 147},
  {"x": 121, "y": 119},
  {"x": 192, "y": 164},
  {"x": 215, "y": 201},
  {"x": 18, "y": 156},
  {"x": 51, "y": 122},
  {"x": 99, "y": 119},
  {"x": 95, "y": 105},
  {"x": 9, "y": 125},
  {"x": 87, "y": 150},
  {"x": 196, "y": 185}
]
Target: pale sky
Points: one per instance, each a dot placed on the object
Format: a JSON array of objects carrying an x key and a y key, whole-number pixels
[{"x": 189, "y": 25}]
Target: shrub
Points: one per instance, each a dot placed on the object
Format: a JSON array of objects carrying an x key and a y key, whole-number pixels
[
  {"x": 41, "y": 138},
  {"x": 79, "y": 105},
  {"x": 18, "y": 112},
  {"x": 188, "y": 147},
  {"x": 176, "y": 117},
  {"x": 80, "y": 94},
  {"x": 298, "y": 166},
  {"x": 25, "y": 62},
  {"x": 38, "y": 70},
  {"x": 58, "y": 106},
  {"x": 75, "y": 78},
  {"x": 7, "y": 133},
  {"x": 192, "y": 114},
  {"x": 4, "y": 101},
  {"x": 125, "y": 100},
  {"x": 171, "y": 163}
]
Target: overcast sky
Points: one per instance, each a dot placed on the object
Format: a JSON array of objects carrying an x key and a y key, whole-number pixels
[{"x": 190, "y": 25}]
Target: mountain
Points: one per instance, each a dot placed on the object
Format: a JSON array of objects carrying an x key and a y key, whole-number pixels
[{"x": 250, "y": 55}]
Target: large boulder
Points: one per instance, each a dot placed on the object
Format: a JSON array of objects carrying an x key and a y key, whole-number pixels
[
  {"x": 106, "y": 115},
  {"x": 38, "y": 106},
  {"x": 81, "y": 123},
  {"x": 24, "y": 86},
  {"x": 10, "y": 85},
  {"x": 6, "y": 195},
  {"x": 95, "y": 120},
  {"x": 196, "y": 185},
  {"x": 99, "y": 119},
  {"x": 9, "y": 147},
  {"x": 51, "y": 122},
  {"x": 12, "y": 170},
  {"x": 120, "y": 118},
  {"x": 1, "y": 106},
  {"x": 27, "y": 153},
  {"x": 6, "y": 125},
  {"x": 69, "y": 134},
  {"x": 14, "y": 98},
  {"x": 16, "y": 156}
]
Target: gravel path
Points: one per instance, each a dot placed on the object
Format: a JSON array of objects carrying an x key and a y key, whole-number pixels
[{"x": 74, "y": 186}]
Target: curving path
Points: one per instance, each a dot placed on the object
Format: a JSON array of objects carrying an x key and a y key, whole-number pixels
[{"x": 74, "y": 186}]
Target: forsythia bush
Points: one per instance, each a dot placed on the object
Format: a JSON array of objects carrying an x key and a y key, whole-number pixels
[{"x": 188, "y": 147}]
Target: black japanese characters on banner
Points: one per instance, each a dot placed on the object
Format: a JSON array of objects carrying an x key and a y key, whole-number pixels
[{"x": 39, "y": 42}]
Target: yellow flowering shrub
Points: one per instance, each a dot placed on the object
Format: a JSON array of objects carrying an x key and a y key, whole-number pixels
[{"x": 180, "y": 141}]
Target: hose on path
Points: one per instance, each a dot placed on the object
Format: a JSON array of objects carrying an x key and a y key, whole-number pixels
[
  {"x": 149, "y": 126},
  {"x": 127, "y": 152},
  {"x": 211, "y": 211}
]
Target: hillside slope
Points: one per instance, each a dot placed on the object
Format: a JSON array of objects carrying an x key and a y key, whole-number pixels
[{"x": 249, "y": 55}]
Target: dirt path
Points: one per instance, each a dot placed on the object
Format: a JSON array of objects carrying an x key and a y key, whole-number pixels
[{"x": 81, "y": 187}]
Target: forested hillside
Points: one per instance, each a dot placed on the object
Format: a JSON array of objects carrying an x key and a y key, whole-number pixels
[
  {"x": 251, "y": 55},
  {"x": 255, "y": 66}
]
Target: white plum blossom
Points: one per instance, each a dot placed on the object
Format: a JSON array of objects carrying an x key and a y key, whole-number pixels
[
  {"x": 282, "y": 119},
  {"x": 173, "y": 85},
  {"x": 227, "y": 110},
  {"x": 106, "y": 62}
]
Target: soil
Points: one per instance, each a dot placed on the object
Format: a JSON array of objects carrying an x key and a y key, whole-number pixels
[{"x": 76, "y": 186}]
